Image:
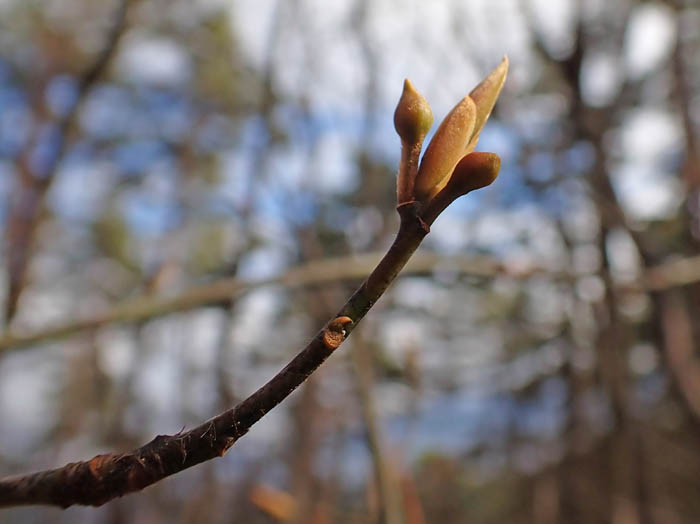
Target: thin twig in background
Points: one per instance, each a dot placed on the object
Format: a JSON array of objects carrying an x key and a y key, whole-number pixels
[
  {"x": 221, "y": 291},
  {"x": 674, "y": 273},
  {"x": 26, "y": 212},
  {"x": 385, "y": 475}
]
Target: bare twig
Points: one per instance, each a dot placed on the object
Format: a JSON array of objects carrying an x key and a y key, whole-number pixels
[{"x": 105, "y": 477}]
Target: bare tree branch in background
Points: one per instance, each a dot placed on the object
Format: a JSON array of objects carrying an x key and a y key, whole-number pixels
[
  {"x": 674, "y": 273},
  {"x": 34, "y": 182}
]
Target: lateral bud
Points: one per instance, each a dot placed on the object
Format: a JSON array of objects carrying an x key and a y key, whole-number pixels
[
  {"x": 334, "y": 334},
  {"x": 474, "y": 171}
]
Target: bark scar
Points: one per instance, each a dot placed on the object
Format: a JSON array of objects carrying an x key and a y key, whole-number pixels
[{"x": 334, "y": 334}]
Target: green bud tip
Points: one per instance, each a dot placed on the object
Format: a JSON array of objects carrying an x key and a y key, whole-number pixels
[{"x": 413, "y": 117}]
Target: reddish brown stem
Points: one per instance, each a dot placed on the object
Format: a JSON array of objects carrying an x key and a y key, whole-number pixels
[{"x": 105, "y": 477}]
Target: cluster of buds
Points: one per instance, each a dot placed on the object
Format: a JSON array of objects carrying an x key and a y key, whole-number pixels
[{"x": 449, "y": 168}]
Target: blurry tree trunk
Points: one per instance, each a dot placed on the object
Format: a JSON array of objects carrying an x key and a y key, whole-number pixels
[{"x": 386, "y": 477}]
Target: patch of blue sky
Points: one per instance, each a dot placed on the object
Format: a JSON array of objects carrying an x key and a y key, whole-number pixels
[
  {"x": 43, "y": 156},
  {"x": 332, "y": 170},
  {"x": 539, "y": 119},
  {"x": 216, "y": 133},
  {"x": 515, "y": 214},
  {"x": 538, "y": 419},
  {"x": 148, "y": 215},
  {"x": 541, "y": 167},
  {"x": 465, "y": 418},
  {"x": 322, "y": 120},
  {"x": 171, "y": 114},
  {"x": 263, "y": 262},
  {"x": 61, "y": 94},
  {"x": 16, "y": 121},
  {"x": 511, "y": 187},
  {"x": 112, "y": 112},
  {"x": 136, "y": 156},
  {"x": 235, "y": 171},
  {"x": 107, "y": 113},
  {"x": 305, "y": 126},
  {"x": 498, "y": 231},
  {"x": 337, "y": 216},
  {"x": 293, "y": 177},
  {"x": 498, "y": 137},
  {"x": 80, "y": 188},
  {"x": 272, "y": 203},
  {"x": 254, "y": 133},
  {"x": 579, "y": 158},
  {"x": 298, "y": 209},
  {"x": 286, "y": 168},
  {"x": 555, "y": 199}
]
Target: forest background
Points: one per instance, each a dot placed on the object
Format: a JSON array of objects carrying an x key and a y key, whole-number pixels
[{"x": 189, "y": 189}]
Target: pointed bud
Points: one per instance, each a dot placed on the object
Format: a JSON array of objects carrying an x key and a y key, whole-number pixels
[
  {"x": 413, "y": 117},
  {"x": 445, "y": 150},
  {"x": 485, "y": 94},
  {"x": 474, "y": 171}
]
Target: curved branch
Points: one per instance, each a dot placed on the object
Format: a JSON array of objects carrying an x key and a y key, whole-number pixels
[{"x": 105, "y": 477}]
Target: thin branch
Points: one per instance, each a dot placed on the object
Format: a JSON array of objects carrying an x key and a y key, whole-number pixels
[
  {"x": 113, "y": 475},
  {"x": 313, "y": 273},
  {"x": 26, "y": 213},
  {"x": 675, "y": 273}
]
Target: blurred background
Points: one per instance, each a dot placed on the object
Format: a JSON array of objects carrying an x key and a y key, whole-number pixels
[{"x": 190, "y": 189}]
